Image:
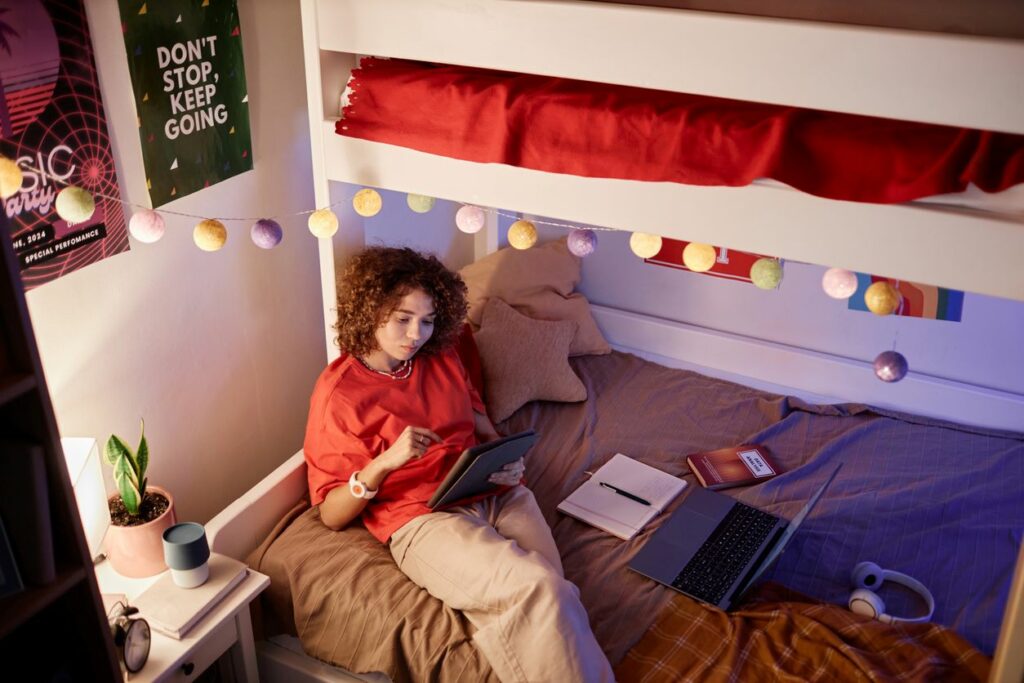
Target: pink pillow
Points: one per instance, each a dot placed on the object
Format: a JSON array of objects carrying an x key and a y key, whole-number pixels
[
  {"x": 525, "y": 360},
  {"x": 539, "y": 283}
]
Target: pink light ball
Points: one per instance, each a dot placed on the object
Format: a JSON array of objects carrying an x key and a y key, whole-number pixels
[
  {"x": 266, "y": 233},
  {"x": 839, "y": 283},
  {"x": 582, "y": 242},
  {"x": 891, "y": 366},
  {"x": 323, "y": 223},
  {"x": 470, "y": 219},
  {"x": 146, "y": 226}
]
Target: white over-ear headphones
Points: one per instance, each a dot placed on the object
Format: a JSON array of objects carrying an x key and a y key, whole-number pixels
[{"x": 868, "y": 577}]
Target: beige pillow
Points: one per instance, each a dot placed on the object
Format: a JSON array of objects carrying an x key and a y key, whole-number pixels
[
  {"x": 539, "y": 283},
  {"x": 524, "y": 360}
]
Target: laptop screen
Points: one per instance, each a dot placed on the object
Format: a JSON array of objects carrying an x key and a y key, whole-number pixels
[{"x": 788, "y": 532}]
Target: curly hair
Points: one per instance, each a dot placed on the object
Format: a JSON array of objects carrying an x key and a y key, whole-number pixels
[{"x": 373, "y": 285}]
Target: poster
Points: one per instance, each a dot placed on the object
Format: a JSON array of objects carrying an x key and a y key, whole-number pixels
[
  {"x": 188, "y": 77},
  {"x": 730, "y": 263},
  {"x": 52, "y": 124},
  {"x": 919, "y": 301}
]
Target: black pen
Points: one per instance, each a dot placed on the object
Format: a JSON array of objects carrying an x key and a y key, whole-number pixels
[{"x": 627, "y": 494}]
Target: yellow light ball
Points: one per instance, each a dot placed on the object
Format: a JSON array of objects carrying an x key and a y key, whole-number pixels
[
  {"x": 367, "y": 202},
  {"x": 323, "y": 223},
  {"x": 699, "y": 257},
  {"x": 74, "y": 204},
  {"x": 645, "y": 245},
  {"x": 10, "y": 178},
  {"x": 522, "y": 234},
  {"x": 882, "y": 298},
  {"x": 420, "y": 203},
  {"x": 210, "y": 235},
  {"x": 766, "y": 273}
]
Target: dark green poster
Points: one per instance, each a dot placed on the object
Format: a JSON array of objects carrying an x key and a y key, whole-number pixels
[{"x": 185, "y": 57}]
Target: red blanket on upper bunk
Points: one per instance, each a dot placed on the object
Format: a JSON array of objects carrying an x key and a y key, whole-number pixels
[{"x": 613, "y": 131}]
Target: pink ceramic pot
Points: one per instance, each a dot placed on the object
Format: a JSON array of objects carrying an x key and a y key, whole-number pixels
[{"x": 138, "y": 551}]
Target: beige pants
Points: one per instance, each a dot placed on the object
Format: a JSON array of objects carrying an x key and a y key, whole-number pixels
[{"x": 496, "y": 561}]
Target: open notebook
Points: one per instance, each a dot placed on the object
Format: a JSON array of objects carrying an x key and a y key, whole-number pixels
[{"x": 622, "y": 496}]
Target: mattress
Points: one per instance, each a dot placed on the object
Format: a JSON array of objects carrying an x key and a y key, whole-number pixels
[{"x": 914, "y": 495}]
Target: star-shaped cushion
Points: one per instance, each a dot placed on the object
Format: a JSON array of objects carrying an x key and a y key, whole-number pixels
[{"x": 525, "y": 360}]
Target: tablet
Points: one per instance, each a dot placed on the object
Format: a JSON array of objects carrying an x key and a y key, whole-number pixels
[{"x": 468, "y": 476}]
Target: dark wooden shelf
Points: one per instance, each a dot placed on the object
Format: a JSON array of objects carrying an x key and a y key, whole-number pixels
[
  {"x": 15, "y": 385},
  {"x": 19, "y": 607}
]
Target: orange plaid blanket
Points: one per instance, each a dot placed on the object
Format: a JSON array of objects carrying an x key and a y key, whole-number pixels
[{"x": 783, "y": 636}]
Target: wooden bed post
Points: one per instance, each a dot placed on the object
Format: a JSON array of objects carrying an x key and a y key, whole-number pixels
[{"x": 1008, "y": 663}]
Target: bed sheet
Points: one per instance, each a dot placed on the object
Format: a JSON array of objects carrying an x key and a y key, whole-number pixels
[{"x": 914, "y": 495}]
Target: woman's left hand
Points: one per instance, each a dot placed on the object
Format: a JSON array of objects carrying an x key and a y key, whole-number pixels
[{"x": 509, "y": 475}]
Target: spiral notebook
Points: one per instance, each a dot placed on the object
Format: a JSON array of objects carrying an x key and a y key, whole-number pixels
[{"x": 622, "y": 496}]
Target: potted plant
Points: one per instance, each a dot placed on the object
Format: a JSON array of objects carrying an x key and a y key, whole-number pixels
[{"x": 138, "y": 513}]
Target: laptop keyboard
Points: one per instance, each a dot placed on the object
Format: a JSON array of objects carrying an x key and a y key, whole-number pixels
[{"x": 723, "y": 556}]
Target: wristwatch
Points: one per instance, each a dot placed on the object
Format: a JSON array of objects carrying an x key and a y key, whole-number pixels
[{"x": 359, "y": 489}]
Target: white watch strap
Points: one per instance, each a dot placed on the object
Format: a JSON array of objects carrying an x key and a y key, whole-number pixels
[{"x": 359, "y": 489}]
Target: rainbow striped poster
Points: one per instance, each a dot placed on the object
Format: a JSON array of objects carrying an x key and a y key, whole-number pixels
[{"x": 919, "y": 301}]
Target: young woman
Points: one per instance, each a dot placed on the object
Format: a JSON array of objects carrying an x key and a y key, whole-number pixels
[{"x": 387, "y": 421}]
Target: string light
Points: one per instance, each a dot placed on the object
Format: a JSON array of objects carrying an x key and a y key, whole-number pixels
[
  {"x": 766, "y": 273},
  {"x": 699, "y": 257},
  {"x": 74, "y": 204},
  {"x": 210, "y": 235},
  {"x": 266, "y": 233},
  {"x": 11, "y": 178},
  {"x": 146, "y": 225}
]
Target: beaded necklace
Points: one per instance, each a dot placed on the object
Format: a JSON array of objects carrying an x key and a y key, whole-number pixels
[{"x": 401, "y": 371}]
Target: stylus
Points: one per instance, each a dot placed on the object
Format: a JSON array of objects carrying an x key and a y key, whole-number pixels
[{"x": 627, "y": 494}]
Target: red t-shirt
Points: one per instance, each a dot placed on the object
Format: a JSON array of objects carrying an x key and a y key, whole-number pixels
[{"x": 355, "y": 414}]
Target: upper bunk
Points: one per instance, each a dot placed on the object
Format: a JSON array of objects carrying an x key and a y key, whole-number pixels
[{"x": 943, "y": 78}]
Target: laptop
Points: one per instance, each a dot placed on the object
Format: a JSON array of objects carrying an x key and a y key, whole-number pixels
[{"x": 713, "y": 548}]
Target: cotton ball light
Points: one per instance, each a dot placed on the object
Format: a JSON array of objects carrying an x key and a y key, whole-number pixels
[
  {"x": 522, "y": 234},
  {"x": 420, "y": 203},
  {"x": 839, "y": 283},
  {"x": 766, "y": 273},
  {"x": 146, "y": 226},
  {"x": 74, "y": 204},
  {"x": 11, "y": 177},
  {"x": 210, "y": 235},
  {"x": 367, "y": 202},
  {"x": 891, "y": 366},
  {"x": 644, "y": 244},
  {"x": 699, "y": 257},
  {"x": 323, "y": 223},
  {"x": 582, "y": 242},
  {"x": 470, "y": 219},
  {"x": 882, "y": 298},
  {"x": 266, "y": 233}
]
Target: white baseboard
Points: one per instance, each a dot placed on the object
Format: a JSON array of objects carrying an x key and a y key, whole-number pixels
[{"x": 811, "y": 375}]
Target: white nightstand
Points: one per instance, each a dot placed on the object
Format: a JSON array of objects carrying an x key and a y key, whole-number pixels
[{"x": 227, "y": 627}]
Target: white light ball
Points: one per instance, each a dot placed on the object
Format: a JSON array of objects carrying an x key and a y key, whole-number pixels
[
  {"x": 839, "y": 283},
  {"x": 645, "y": 245},
  {"x": 470, "y": 219},
  {"x": 74, "y": 204},
  {"x": 146, "y": 226},
  {"x": 323, "y": 223}
]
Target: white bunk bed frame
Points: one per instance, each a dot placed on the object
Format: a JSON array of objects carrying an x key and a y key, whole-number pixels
[{"x": 939, "y": 78}]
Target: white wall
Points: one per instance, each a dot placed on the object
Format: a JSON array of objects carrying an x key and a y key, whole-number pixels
[
  {"x": 983, "y": 349},
  {"x": 217, "y": 351}
]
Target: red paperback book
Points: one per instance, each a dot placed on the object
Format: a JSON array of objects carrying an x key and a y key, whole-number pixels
[{"x": 733, "y": 466}]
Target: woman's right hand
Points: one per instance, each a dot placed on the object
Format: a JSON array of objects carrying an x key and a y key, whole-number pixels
[{"x": 413, "y": 442}]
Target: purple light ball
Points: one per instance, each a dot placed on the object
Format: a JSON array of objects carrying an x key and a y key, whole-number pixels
[
  {"x": 266, "y": 233},
  {"x": 891, "y": 366},
  {"x": 582, "y": 242}
]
